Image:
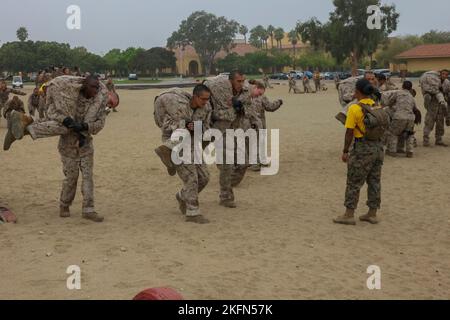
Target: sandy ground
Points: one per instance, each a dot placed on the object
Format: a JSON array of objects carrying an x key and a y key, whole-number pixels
[{"x": 280, "y": 243}]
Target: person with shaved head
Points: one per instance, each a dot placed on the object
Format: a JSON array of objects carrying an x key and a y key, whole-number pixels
[{"x": 76, "y": 111}]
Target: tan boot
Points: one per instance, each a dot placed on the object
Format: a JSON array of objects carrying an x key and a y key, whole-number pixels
[
  {"x": 370, "y": 217},
  {"x": 93, "y": 216},
  {"x": 194, "y": 216},
  {"x": 64, "y": 212},
  {"x": 165, "y": 154},
  {"x": 9, "y": 139},
  {"x": 181, "y": 203},
  {"x": 228, "y": 203},
  {"x": 441, "y": 143},
  {"x": 348, "y": 218},
  {"x": 17, "y": 123}
]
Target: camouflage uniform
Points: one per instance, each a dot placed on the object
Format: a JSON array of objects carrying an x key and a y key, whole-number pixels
[
  {"x": 435, "y": 104},
  {"x": 346, "y": 90},
  {"x": 64, "y": 100},
  {"x": 266, "y": 82},
  {"x": 365, "y": 163},
  {"x": 11, "y": 105},
  {"x": 4, "y": 96},
  {"x": 293, "y": 86},
  {"x": 255, "y": 118},
  {"x": 33, "y": 103},
  {"x": 178, "y": 113},
  {"x": 317, "y": 81},
  {"x": 166, "y": 105},
  {"x": 306, "y": 86},
  {"x": 402, "y": 124},
  {"x": 225, "y": 117}
]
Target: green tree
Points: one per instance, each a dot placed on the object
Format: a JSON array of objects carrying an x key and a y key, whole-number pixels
[
  {"x": 346, "y": 33},
  {"x": 312, "y": 31},
  {"x": 435, "y": 37},
  {"x": 243, "y": 30},
  {"x": 279, "y": 35},
  {"x": 293, "y": 39},
  {"x": 207, "y": 33},
  {"x": 22, "y": 34},
  {"x": 257, "y": 36},
  {"x": 271, "y": 33}
]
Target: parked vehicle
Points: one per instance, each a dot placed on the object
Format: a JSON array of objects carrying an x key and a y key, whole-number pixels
[
  {"x": 17, "y": 82},
  {"x": 296, "y": 74},
  {"x": 279, "y": 76},
  {"x": 386, "y": 72},
  {"x": 132, "y": 76}
]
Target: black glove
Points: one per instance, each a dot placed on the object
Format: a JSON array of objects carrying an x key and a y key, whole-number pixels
[
  {"x": 281, "y": 102},
  {"x": 237, "y": 105},
  {"x": 79, "y": 127},
  {"x": 69, "y": 123}
]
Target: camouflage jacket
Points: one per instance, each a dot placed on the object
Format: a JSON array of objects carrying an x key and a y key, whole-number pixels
[
  {"x": 221, "y": 99},
  {"x": 346, "y": 90},
  {"x": 400, "y": 104},
  {"x": 64, "y": 100},
  {"x": 257, "y": 111},
  {"x": 4, "y": 95},
  {"x": 12, "y": 105}
]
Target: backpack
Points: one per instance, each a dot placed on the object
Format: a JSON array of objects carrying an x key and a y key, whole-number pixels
[{"x": 376, "y": 121}]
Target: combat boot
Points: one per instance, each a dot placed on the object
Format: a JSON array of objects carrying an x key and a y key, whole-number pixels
[
  {"x": 64, "y": 212},
  {"x": 93, "y": 216},
  {"x": 194, "y": 216},
  {"x": 348, "y": 218},
  {"x": 165, "y": 154},
  {"x": 182, "y": 204},
  {"x": 370, "y": 217},
  {"x": 409, "y": 155},
  {"x": 9, "y": 139},
  {"x": 17, "y": 124},
  {"x": 228, "y": 203}
]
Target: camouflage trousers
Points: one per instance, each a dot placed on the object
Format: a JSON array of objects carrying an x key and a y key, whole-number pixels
[
  {"x": 71, "y": 169},
  {"x": 195, "y": 178},
  {"x": 436, "y": 115},
  {"x": 225, "y": 170},
  {"x": 317, "y": 85},
  {"x": 364, "y": 166},
  {"x": 399, "y": 130},
  {"x": 45, "y": 129}
]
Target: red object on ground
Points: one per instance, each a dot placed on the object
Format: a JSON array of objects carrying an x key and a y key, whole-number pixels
[
  {"x": 158, "y": 294},
  {"x": 7, "y": 215},
  {"x": 113, "y": 100}
]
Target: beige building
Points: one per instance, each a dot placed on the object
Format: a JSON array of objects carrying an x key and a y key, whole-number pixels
[
  {"x": 188, "y": 62},
  {"x": 426, "y": 57}
]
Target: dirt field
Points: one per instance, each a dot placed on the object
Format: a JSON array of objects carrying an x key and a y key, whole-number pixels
[{"x": 280, "y": 243}]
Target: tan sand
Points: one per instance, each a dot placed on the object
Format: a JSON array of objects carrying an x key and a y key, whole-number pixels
[{"x": 280, "y": 243}]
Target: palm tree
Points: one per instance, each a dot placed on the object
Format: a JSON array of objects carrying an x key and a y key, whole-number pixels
[
  {"x": 293, "y": 39},
  {"x": 22, "y": 34},
  {"x": 264, "y": 36},
  {"x": 243, "y": 30},
  {"x": 279, "y": 35},
  {"x": 270, "y": 31}
]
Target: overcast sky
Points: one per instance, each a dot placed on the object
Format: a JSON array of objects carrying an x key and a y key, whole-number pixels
[{"x": 107, "y": 24}]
